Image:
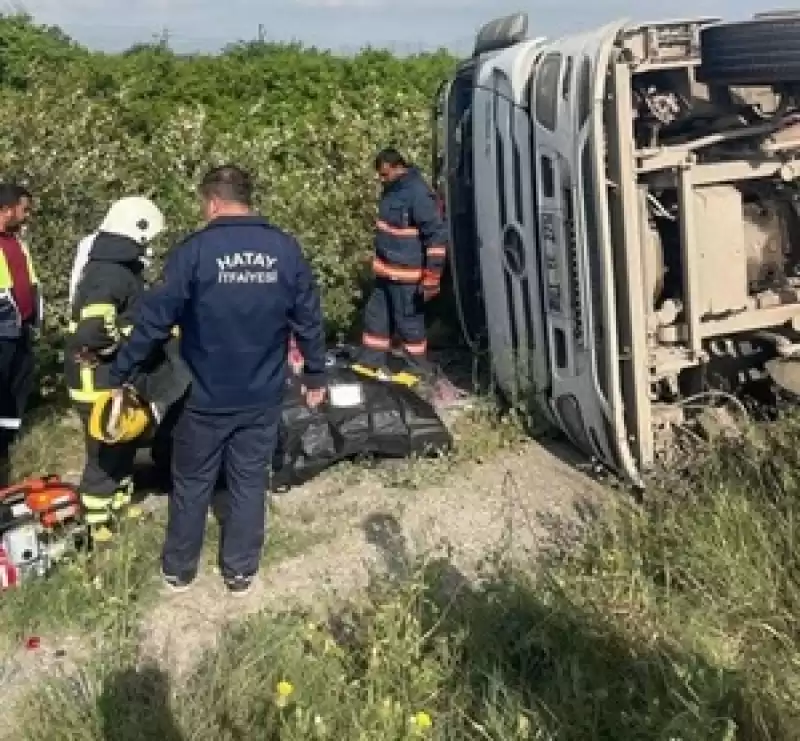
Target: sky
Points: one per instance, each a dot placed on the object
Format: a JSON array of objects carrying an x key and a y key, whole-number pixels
[{"x": 343, "y": 25}]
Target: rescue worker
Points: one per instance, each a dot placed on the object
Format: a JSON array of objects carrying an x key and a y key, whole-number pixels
[
  {"x": 410, "y": 252},
  {"x": 20, "y": 314},
  {"x": 235, "y": 289},
  {"x": 110, "y": 284}
]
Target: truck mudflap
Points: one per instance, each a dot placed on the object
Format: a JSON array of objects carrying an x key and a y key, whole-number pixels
[{"x": 578, "y": 276}]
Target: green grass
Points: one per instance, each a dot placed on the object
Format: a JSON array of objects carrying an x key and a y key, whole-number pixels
[
  {"x": 676, "y": 619},
  {"x": 52, "y": 442},
  {"x": 93, "y": 592},
  {"x": 107, "y": 590}
]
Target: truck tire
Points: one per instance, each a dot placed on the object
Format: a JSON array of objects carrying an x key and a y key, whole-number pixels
[{"x": 763, "y": 51}]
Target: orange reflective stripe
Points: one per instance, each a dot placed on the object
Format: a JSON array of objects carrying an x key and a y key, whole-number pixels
[
  {"x": 395, "y": 272},
  {"x": 436, "y": 251},
  {"x": 375, "y": 342},
  {"x": 396, "y": 231},
  {"x": 416, "y": 348}
]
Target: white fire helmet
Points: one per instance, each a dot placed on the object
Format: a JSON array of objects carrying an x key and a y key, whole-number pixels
[{"x": 135, "y": 217}]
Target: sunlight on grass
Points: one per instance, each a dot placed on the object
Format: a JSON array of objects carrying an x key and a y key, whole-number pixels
[{"x": 676, "y": 619}]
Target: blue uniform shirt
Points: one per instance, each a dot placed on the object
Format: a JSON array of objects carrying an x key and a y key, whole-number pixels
[
  {"x": 410, "y": 232},
  {"x": 236, "y": 289}
]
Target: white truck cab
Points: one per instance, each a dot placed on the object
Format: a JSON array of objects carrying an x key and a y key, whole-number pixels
[{"x": 623, "y": 207}]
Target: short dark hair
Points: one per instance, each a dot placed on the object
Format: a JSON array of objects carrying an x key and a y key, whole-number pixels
[
  {"x": 391, "y": 157},
  {"x": 11, "y": 194},
  {"x": 228, "y": 183}
]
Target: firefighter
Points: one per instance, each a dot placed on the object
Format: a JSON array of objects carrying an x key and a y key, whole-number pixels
[
  {"x": 109, "y": 286},
  {"x": 20, "y": 314},
  {"x": 236, "y": 289},
  {"x": 410, "y": 252}
]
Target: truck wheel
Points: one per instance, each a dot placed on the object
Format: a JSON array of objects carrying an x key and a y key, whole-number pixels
[{"x": 763, "y": 51}]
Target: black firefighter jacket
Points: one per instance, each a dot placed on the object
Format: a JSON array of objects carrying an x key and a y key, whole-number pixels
[{"x": 102, "y": 312}]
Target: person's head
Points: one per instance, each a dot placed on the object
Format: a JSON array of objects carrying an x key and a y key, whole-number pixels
[
  {"x": 23, "y": 208},
  {"x": 134, "y": 217},
  {"x": 15, "y": 203},
  {"x": 390, "y": 165},
  {"x": 226, "y": 191}
]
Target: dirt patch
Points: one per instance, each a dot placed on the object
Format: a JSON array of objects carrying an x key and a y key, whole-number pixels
[
  {"x": 508, "y": 504},
  {"x": 516, "y": 503}
]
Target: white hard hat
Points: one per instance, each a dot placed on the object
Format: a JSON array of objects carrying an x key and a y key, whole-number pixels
[{"x": 134, "y": 217}]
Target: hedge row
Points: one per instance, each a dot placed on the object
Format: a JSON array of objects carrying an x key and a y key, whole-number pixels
[{"x": 85, "y": 128}]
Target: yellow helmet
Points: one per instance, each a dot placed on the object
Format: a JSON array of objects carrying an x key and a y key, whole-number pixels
[{"x": 118, "y": 420}]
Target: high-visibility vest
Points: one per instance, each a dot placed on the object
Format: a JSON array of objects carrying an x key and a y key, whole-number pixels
[
  {"x": 10, "y": 320},
  {"x": 6, "y": 279}
]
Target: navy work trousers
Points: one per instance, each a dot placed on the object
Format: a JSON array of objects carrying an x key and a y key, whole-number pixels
[
  {"x": 16, "y": 384},
  {"x": 393, "y": 309},
  {"x": 203, "y": 443}
]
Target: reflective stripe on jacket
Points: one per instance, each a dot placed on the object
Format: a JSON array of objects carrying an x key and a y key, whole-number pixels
[
  {"x": 101, "y": 313},
  {"x": 410, "y": 234}
]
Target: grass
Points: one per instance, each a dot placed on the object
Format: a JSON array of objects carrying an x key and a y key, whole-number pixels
[
  {"x": 52, "y": 443},
  {"x": 92, "y": 593},
  {"x": 98, "y": 592},
  {"x": 677, "y": 618}
]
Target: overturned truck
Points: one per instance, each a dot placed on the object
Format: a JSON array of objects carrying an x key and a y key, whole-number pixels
[{"x": 623, "y": 207}]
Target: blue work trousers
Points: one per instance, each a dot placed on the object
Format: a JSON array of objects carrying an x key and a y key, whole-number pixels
[
  {"x": 241, "y": 445},
  {"x": 393, "y": 309}
]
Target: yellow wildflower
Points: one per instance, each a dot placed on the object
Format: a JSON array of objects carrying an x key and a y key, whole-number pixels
[
  {"x": 284, "y": 691},
  {"x": 421, "y": 721}
]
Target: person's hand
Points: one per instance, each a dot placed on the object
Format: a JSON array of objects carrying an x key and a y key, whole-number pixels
[
  {"x": 121, "y": 392},
  {"x": 314, "y": 397}
]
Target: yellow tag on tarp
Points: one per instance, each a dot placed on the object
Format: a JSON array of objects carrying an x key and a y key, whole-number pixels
[{"x": 404, "y": 378}]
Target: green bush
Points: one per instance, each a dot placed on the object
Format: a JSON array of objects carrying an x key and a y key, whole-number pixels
[{"x": 85, "y": 128}]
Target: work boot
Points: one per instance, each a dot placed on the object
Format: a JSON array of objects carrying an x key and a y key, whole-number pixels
[
  {"x": 176, "y": 584},
  {"x": 238, "y": 586}
]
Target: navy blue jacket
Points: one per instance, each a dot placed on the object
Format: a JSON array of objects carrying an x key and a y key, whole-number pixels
[
  {"x": 410, "y": 234},
  {"x": 236, "y": 289}
]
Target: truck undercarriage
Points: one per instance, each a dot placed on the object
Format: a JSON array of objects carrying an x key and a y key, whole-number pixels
[{"x": 660, "y": 263}]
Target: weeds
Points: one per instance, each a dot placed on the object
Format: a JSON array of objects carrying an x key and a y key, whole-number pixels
[
  {"x": 52, "y": 442},
  {"x": 105, "y": 591},
  {"x": 676, "y": 619}
]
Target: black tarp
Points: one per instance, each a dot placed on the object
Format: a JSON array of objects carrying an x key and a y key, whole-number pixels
[{"x": 392, "y": 421}]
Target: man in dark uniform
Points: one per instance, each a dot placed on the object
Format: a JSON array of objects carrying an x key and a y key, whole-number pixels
[
  {"x": 235, "y": 289},
  {"x": 410, "y": 252}
]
